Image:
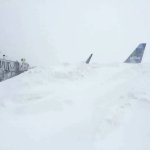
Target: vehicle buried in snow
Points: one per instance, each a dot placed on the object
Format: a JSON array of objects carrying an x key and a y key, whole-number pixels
[{"x": 9, "y": 68}]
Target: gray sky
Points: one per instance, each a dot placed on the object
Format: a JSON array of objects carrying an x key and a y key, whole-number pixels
[{"x": 69, "y": 30}]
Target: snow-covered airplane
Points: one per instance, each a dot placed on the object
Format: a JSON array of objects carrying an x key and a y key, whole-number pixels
[
  {"x": 10, "y": 68},
  {"x": 135, "y": 57}
]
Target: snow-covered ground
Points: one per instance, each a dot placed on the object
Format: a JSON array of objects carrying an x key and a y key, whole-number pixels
[{"x": 77, "y": 107}]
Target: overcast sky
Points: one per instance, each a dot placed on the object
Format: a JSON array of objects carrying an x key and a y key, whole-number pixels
[{"x": 52, "y": 31}]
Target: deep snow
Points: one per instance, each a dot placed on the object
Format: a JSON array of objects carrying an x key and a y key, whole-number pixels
[{"x": 77, "y": 107}]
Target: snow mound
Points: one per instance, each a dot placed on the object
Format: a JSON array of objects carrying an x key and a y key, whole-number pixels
[{"x": 77, "y": 107}]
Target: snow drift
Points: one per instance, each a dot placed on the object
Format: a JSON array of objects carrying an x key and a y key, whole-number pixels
[{"x": 70, "y": 107}]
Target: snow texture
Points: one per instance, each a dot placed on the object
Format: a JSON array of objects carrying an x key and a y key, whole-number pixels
[{"x": 77, "y": 107}]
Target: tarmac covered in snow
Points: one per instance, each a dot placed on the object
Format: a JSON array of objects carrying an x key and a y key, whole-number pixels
[{"x": 77, "y": 107}]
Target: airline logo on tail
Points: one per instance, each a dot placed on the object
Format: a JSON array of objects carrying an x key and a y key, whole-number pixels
[{"x": 137, "y": 55}]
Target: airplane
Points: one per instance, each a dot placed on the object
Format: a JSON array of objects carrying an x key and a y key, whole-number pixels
[
  {"x": 89, "y": 59},
  {"x": 135, "y": 57},
  {"x": 10, "y": 68}
]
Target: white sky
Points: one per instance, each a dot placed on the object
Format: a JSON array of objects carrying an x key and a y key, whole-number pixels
[{"x": 69, "y": 30}]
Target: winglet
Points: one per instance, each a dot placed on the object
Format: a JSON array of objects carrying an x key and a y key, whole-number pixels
[
  {"x": 137, "y": 55},
  {"x": 89, "y": 59}
]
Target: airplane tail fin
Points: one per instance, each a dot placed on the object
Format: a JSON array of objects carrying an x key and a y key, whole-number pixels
[
  {"x": 137, "y": 55},
  {"x": 89, "y": 59}
]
